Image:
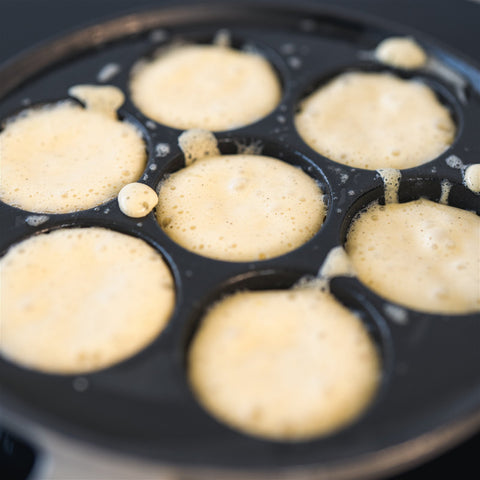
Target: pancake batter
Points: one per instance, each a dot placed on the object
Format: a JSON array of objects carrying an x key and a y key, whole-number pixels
[
  {"x": 375, "y": 120},
  {"x": 420, "y": 254},
  {"x": 62, "y": 158},
  {"x": 472, "y": 177},
  {"x": 283, "y": 364},
  {"x": 197, "y": 144},
  {"x": 137, "y": 199},
  {"x": 205, "y": 86},
  {"x": 81, "y": 299},
  {"x": 401, "y": 52},
  {"x": 240, "y": 207}
]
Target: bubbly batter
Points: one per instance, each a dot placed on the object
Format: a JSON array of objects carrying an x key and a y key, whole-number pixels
[
  {"x": 401, "y": 52},
  {"x": 240, "y": 207},
  {"x": 391, "y": 183},
  {"x": 205, "y": 86},
  {"x": 283, "y": 364},
  {"x": 197, "y": 144},
  {"x": 62, "y": 158},
  {"x": 81, "y": 299},
  {"x": 420, "y": 254},
  {"x": 105, "y": 100},
  {"x": 375, "y": 120},
  {"x": 137, "y": 199}
]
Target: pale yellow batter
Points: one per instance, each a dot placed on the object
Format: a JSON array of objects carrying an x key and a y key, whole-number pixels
[
  {"x": 205, "y": 86},
  {"x": 101, "y": 99},
  {"x": 63, "y": 158},
  {"x": 283, "y": 364},
  {"x": 472, "y": 177},
  {"x": 375, "y": 120},
  {"x": 240, "y": 207},
  {"x": 81, "y": 299},
  {"x": 197, "y": 144},
  {"x": 137, "y": 199},
  {"x": 336, "y": 263},
  {"x": 391, "y": 183},
  {"x": 401, "y": 52},
  {"x": 420, "y": 254}
]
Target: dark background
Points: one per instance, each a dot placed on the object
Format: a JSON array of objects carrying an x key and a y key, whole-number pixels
[
  {"x": 24, "y": 22},
  {"x": 455, "y": 23}
]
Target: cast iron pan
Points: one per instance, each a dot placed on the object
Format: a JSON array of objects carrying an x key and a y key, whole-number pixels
[{"x": 430, "y": 391}]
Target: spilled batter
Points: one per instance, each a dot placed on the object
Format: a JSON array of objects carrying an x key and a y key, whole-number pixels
[
  {"x": 137, "y": 200},
  {"x": 471, "y": 177},
  {"x": 401, "y": 52}
]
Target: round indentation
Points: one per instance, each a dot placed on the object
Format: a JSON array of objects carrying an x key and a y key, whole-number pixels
[
  {"x": 420, "y": 254},
  {"x": 214, "y": 87},
  {"x": 375, "y": 120},
  {"x": 240, "y": 207},
  {"x": 253, "y": 348},
  {"x": 61, "y": 158},
  {"x": 80, "y": 299}
]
